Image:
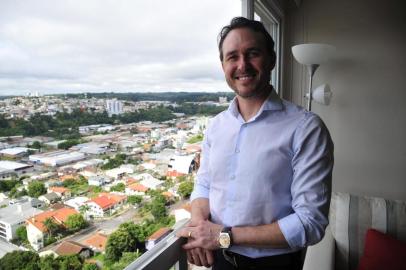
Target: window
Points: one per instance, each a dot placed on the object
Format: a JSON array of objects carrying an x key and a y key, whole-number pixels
[{"x": 270, "y": 15}]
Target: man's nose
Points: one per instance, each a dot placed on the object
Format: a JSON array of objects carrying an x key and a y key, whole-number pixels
[{"x": 243, "y": 63}]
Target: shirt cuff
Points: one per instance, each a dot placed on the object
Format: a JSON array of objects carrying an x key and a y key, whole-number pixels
[
  {"x": 293, "y": 231},
  {"x": 199, "y": 192}
]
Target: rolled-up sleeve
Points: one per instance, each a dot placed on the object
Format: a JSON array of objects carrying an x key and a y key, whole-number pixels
[
  {"x": 312, "y": 165},
  {"x": 202, "y": 183}
]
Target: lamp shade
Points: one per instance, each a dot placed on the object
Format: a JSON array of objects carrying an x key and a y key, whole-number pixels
[
  {"x": 312, "y": 53},
  {"x": 322, "y": 94}
]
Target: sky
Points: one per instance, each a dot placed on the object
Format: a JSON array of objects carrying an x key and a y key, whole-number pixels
[{"x": 73, "y": 46}]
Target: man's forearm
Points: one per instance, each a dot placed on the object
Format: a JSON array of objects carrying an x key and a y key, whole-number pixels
[
  {"x": 200, "y": 209},
  {"x": 269, "y": 235}
]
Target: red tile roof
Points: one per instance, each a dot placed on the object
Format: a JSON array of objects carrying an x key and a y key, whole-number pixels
[
  {"x": 59, "y": 216},
  {"x": 59, "y": 189},
  {"x": 107, "y": 200},
  {"x": 138, "y": 187},
  {"x": 96, "y": 241},
  {"x": 70, "y": 248},
  {"x": 159, "y": 233}
]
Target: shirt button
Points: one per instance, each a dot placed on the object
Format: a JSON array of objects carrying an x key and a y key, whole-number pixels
[
  {"x": 232, "y": 177},
  {"x": 237, "y": 150}
]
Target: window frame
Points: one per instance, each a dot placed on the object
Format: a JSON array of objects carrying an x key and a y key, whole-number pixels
[{"x": 271, "y": 16}]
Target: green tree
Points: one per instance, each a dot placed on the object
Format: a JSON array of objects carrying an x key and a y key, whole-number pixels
[
  {"x": 120, "y": 187},
  {"x": 185, "y": 189},
  {"x": 158, "y": 209},
  {"x": 134, "y": 199},
  {"x": 68, "y": 144},
  {"x": 21, "y": 233},
  {"x": 36, "y": 189},
  {"x": 76, "y": 222},
  {"x": 36, "y": 145},
  {"x": 125, "y": 239},
  {"x": 51, "y": 226},
  {"x": 20, "y": 260},
  {"x": 90, "y": 266},
  {"x": 70, "y": 262},
  {"x": 48, "y": 263}
]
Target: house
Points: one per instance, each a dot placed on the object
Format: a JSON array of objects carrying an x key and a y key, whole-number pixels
[
  {"x": 184, "y": 212},
  {"x": 97, "y": 242},
  {"x": 120, "y": 172},
  {"x": 136, "y": 189},
  {"x": 50, "y": 198},
  {"x": 77, "y": 202},
  {"x": 97, "y": 180},
  {"x": 74, "y": 248},
  {"x": 105, "y": 204},
  {"x": 62, "y": 192},
  {"x": 14, "y": 216},
  {"x": 37, "y": 231},
  {"x": 156, "y": 237},
  {"x": 148, "y": 180}
]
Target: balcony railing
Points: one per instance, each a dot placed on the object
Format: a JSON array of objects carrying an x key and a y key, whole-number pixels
[{"x": 166, "y": 254}]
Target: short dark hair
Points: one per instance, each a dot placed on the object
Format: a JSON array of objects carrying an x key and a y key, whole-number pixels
[{"x": 241, "y": 22}]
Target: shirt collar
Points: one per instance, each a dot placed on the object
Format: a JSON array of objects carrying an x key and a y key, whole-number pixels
[{"x": 272, "y": 103}]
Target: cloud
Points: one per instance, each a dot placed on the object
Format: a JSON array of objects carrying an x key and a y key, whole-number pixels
[{"x": 112, "y": 45}]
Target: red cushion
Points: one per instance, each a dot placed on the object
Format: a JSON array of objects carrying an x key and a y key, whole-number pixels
[{"x": 382, "y": 252}]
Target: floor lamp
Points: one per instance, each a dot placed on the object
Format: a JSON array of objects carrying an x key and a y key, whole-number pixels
[{"x": 312, "y": 55}]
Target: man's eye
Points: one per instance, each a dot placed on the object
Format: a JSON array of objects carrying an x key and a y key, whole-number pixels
[{"x": 232, "y": 58}]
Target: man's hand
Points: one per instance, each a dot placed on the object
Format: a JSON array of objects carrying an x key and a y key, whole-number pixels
[
  {"x": 200, "y": 257},
  {"x": 202, "y": 234}
]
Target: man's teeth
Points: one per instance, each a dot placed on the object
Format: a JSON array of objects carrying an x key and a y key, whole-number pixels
[{"x": 245, "y": 77}]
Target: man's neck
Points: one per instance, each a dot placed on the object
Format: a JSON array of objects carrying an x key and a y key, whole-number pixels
[{"x": 249, "y": 107}]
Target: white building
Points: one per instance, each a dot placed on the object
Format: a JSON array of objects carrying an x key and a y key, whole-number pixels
[
  {"x": 10, "y": 168},
  {"x": 114, "y": 106},
  {"x": 14, "y": 216},
  {"x": 181, "y": 164},
  {"x": 14, "y": 152},
  {"x": 118, "y": 173},
  {"x": 57, "y": 158}
]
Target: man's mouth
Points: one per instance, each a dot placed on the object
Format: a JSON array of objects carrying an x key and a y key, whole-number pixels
[{"x": 244, "y": 77}]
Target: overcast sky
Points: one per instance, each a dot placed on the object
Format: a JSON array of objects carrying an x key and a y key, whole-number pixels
[{"x": 68, "y": 46}]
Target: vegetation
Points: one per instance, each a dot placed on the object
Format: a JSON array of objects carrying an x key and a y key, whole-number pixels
[
  {"x": 185, "y": 189},
  {"x": 36, "y": 189},
  {"x": 134, "y": 199},
  {"x": 120, "y": 187},
  {"x": 115, "y": 162},
  {"x": 129, "y": 237},
  {"x": 7, "y": 185},
  {"x": 195, "y": 139},
  {"x": 76, "y": 222},
  {"x": 68, "y": 144}
]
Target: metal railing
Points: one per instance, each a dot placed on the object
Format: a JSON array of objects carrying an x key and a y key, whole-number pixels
[{"x": 166, "y": 254}]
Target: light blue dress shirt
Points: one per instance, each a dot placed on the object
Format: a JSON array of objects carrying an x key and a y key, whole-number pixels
[{"x": 275, "y": 167}]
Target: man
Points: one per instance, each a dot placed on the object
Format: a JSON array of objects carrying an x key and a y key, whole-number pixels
[{"x": 262, "y": 192}]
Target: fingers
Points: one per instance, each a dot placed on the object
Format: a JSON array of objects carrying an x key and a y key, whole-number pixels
[
  {"x": 186, "y": 233},
  {"x": 200, "y": 257}
]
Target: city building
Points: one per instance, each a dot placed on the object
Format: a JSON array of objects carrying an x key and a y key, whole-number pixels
[
  {"x": 12, "y": 168},
  {"x": 36, "y": 230},
  {"x": 14, "y": 216},
  {"x": 57, "y": 158},
  {"x": 114, "y": 106}
]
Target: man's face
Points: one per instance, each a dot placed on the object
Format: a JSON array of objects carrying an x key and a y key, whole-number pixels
[{"x": 246, "y": 62}]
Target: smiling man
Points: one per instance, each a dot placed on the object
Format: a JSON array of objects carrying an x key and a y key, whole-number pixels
[{"x": 262, "y": 192}]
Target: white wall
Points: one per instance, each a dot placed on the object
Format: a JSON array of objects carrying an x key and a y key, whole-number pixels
[{"x": 368, "y": 77}]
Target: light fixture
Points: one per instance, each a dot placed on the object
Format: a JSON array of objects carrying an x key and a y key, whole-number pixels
[{"x": 312, "y": 55}]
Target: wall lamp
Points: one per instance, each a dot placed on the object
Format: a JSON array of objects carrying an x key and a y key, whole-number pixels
[{"x": 312, "y": 55}]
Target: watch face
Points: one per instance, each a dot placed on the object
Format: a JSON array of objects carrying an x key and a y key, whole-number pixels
[{"x": 224, "y": 240}]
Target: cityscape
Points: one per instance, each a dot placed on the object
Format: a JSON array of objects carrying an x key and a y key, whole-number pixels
[{"x": 95, "y": 180}]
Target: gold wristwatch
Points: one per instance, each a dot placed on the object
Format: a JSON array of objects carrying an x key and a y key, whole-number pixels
[{"x": 225, "y": 238}]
